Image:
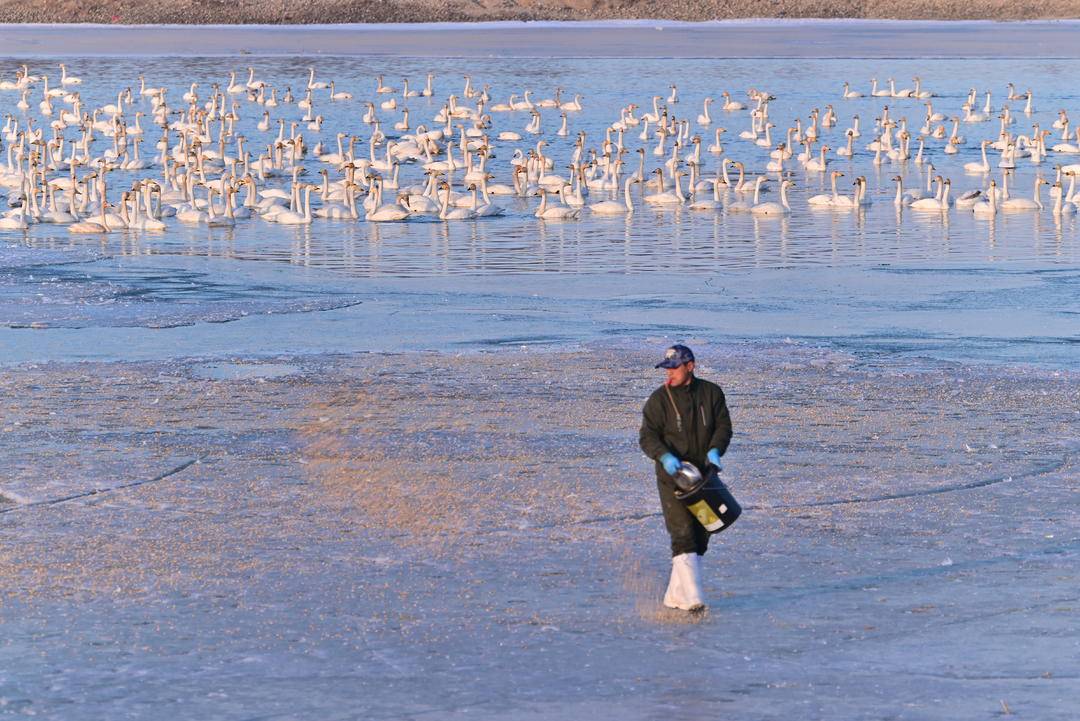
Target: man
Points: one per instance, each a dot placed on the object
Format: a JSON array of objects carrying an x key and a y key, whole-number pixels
[{"x": 686, "y": 419}]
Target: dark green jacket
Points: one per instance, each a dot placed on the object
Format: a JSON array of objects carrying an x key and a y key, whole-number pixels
[{"x": 702, "y": 422}]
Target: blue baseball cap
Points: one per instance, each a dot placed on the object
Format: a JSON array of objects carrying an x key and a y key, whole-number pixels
[{"x": 676, "y": 356}]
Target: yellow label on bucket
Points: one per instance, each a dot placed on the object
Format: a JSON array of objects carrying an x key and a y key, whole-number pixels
[{"x": 706, "y": 516}]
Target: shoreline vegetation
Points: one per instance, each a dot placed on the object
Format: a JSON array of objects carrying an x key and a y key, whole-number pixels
[{"x": 193, "y": 12}]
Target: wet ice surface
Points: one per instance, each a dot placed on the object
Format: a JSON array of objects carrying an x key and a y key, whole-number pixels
[
  {"x": 160, "y": 293},
  {"x": 163, "y": 308},
  {"x": 207, "y": 512},
  {"x": 477, "y": 536}
]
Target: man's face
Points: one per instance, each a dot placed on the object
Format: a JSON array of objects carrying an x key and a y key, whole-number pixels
[{"x": 680, "y": 376}]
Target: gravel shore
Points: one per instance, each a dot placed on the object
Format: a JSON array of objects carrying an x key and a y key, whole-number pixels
[{"x": 406, "y": 11}]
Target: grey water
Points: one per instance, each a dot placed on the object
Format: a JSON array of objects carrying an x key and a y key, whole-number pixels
[{"x": 877, "y": 281}]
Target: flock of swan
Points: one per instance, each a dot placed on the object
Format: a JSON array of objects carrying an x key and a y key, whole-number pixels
[{"x": 243, "y": 150}]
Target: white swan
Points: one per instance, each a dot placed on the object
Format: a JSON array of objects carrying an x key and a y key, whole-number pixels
[
  {"x": 1061, "y": 206},
  {"x": 487, "y": 209},
  {"x": 819, "y": 165},
  {"x": 98, "y": 225},
  {"x": 979, "y": 167},
  {"x": 614, "y": 207},
  {"x": 289, "y": 217},
  {"x": 989, "y": 205},
  {"x": 773, "y": 208},
  {"x": 849, "y": 150},
  {"x": 1068, "y": 148},
  {"x": 742, "y": 206},
  {"x": 390, "y": 212},
  {"x": 901, "y": 199},
  {"x": 826, "y": 199},
  {"x": 572, "y": 105},
  {"x": 970, "y": 198},
  {"x": 66, "y": 79},
  {"x": 938, "y": 204},
  {"x": 918, "y": 92},
  {"x": 555, "y": 212},
  {"x": 861, "y": 198},
  {"x": 235, "y": 88},
  {"x": 17, "y": 221},
  {"x": 730, "y": 105},
  {"x": 776, "y": 165},
  {"x": 312, "y": 85},
  {"x": 704, "y": 118},
  {"x": 335, "y": 95},
  {"x": 214, "y": 220},
  {"x": 711, "y": 203},
  {"x": 903, "y": 93},
  {"x": 671, "y": 197},
  {"x": 1025, "y": 204}
]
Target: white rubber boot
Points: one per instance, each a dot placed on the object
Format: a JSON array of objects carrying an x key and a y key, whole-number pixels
[
  {"x": 673, "y": 595},
  {"x": 684, "y": 588}
]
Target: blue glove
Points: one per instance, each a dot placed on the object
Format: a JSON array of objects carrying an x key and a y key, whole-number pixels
[
  {"x": 714, "y": 458},
  {"x": 670, "y": 463}
]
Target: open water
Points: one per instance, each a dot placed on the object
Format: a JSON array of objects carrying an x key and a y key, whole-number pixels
[{"x": 876, "y": 280}]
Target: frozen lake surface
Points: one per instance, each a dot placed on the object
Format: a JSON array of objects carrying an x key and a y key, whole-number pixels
[
  {"x": 432, "y": 535},
  {"x": 351, "y": 470}
]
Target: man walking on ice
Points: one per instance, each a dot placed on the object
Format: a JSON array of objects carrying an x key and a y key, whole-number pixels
[{"x": 685, "y": 419}]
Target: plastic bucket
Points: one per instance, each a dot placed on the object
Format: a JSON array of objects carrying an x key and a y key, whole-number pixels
[{"x": 710, "y": 502}]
